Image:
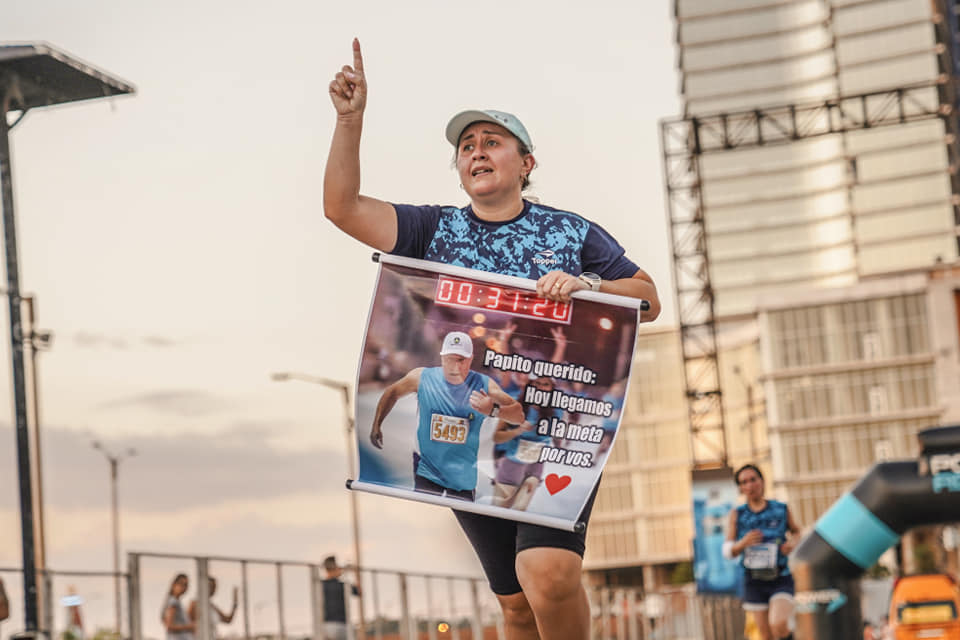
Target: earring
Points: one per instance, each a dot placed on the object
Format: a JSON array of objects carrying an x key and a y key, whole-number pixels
[{"x": 461, "y": 186}]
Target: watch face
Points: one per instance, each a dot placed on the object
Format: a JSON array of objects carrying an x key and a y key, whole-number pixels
[{"x": 591, "y": 279}]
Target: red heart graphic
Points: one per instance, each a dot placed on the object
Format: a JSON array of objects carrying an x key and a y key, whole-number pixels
[{"x": 557, "y": 483}]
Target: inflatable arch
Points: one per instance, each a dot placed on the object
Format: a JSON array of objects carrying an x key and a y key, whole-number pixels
[{"x": 866, "y": 521}]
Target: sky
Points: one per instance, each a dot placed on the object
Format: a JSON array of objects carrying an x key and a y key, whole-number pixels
[{"x": 176, "y": 245}]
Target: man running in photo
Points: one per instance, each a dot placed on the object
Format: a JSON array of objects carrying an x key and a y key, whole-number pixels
[{"x": 452, "y": 403}]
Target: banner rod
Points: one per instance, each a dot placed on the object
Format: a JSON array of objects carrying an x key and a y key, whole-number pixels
[
  {"x": 463, "y": 505},
  {"x": 513, "y": 281}
]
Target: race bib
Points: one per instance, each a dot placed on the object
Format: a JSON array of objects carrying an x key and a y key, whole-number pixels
[
  {"x": 760, "y": 556},
  {"x": 528, "y": 451},
  {"x": 449, "y": 429}
]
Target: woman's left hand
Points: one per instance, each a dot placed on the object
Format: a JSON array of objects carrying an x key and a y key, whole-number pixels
[{"x": 558, "y": 286}]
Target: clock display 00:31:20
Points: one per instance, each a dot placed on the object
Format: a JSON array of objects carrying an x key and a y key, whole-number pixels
[{"x": 489, "y": 297}]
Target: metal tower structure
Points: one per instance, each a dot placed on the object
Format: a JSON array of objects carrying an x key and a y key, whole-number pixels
[{"x": 685, "y": 142}]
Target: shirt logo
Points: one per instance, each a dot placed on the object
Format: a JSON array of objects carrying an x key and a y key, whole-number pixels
[{"x": 545, "y": 257}]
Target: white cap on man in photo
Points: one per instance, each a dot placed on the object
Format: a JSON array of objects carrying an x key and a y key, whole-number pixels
[{"x": 457, "y": 343}]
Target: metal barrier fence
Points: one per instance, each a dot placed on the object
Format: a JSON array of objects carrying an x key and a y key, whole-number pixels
[
  {"x": 56, "y": 590},
  {"x": 283, "y": 600},
  {"x": 674, "y": 613}
]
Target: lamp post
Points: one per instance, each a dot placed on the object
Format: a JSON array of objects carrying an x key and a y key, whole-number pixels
[
  {"x": 33, "y": 75},
  {"x": 38, "y": 340},
  {"x": 344, "y": 389},
  {"x": 114, "y": 461}
]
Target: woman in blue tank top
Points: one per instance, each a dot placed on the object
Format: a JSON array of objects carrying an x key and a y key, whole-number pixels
[{"x": 762, "y": 533}]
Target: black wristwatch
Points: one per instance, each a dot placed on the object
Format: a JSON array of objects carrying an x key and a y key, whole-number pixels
[{"x": 495, "y": 411}]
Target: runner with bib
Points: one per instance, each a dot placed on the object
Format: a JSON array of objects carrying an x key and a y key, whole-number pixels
[
  {"x": 758, "y": 533},
  {"x": 452, "y": 403}
]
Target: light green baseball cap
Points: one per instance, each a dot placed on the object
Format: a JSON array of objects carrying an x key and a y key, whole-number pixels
[{"x": 506, "y": 120}]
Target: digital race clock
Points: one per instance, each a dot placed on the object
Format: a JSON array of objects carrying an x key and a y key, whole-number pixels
[{"x": 489, "y": 297}]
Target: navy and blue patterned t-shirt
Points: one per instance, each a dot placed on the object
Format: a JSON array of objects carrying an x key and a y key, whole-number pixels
[{"x": 539, "y": 240}]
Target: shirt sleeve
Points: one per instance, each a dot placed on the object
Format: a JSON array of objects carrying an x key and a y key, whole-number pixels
[
  {"x": 604, "y": 256},
  {"x": 415, "y": 228}
]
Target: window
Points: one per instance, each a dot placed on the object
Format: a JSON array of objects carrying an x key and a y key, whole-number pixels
[
  {"x": 850, "y": 393},
  {"x": 615, "y": 493},
  {"x": 849, "y": 449},
  {"x": 865, "y": 330}
]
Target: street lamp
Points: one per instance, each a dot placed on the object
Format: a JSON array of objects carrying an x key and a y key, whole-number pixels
[
  {"x": 33, "y": 75},
  {"x": 114, "y": 461},
  {"x": 38, "y": 340},
  {"x": 344, "y": 389}
]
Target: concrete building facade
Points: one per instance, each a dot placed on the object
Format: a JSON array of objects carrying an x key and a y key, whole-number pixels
[{"x": 813, "y": 193}]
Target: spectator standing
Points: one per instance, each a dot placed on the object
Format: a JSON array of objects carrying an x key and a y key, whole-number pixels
[
  {"x": 334, "y": 601},
  {"x": 215, "y": 612},
  {"x": 174, "y": 618}
]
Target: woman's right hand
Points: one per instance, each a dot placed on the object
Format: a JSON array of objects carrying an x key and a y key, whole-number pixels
[
  {"x": 348, "y": 90},
  {"x": 753, "y": 537}
]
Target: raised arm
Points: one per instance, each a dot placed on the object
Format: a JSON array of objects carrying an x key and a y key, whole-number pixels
[
  {"x": 226, "y": 618},
  {"x": 371, "y": 221},
  {"x": 560, "y": 344}
]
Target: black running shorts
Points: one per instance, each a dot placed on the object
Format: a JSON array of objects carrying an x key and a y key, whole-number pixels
[{"x": 498, "y": 541}]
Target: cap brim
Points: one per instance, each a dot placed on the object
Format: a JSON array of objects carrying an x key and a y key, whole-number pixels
[
  {"x": 456, "y": 353},
  {"x": 463, "y": 120}
]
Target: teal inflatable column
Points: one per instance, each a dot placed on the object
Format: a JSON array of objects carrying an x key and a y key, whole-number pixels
[{"x": 852, "y": 535}]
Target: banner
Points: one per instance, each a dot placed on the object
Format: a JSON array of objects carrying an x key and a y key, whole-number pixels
[
  {"x": 714, "y": 496},
  {"x": 442, "y": 345}
]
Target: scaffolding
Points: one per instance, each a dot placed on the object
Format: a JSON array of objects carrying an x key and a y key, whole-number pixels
[{"x": 803, "y": 190}]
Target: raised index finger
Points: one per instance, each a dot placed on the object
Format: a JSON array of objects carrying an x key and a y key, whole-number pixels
[{"x": 357, "y": 56}]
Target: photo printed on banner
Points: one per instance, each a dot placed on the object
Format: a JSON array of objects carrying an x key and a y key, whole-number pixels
[{"x": 480, "y": 395}]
